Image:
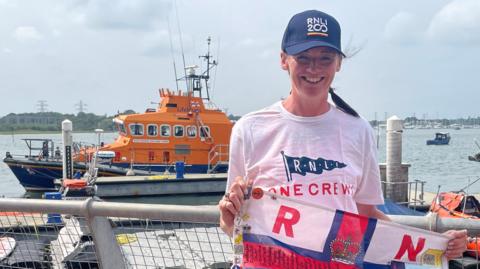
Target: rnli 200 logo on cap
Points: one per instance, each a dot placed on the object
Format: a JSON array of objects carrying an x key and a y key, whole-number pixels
[{"x": 317, "y": 26}]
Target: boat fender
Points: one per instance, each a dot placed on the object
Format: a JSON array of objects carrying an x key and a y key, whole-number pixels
[
  {"x": 158, "y": 177},
  {"x": 74, "y": 183},
  {"x": 130, "y": 172},
  {"x": 7, "y": 244},
  {"x": 473, "y": 247}
]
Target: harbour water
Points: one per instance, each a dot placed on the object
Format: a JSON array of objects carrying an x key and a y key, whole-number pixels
[{"x": 447, "y": 166}]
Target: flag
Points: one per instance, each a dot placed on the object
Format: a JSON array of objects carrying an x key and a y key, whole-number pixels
[
  {"x": 303, "y": 165},
  {"x": 280, "y": 232}
]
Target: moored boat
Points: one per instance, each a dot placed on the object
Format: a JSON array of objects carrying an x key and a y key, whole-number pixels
[
  {"x": 440, "y": 139},
  {"x": 461, "y": 206},
  {"x": 185, "y": 127},
  {"x": 38, "y": 174}
]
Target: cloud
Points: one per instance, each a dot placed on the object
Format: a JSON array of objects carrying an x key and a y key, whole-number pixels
[
  {"x": 8, "y": 3},
  {"x": 27, "y": 33},
  {"x": 247, "y": 42},
  {"x": 270, "y": 53},
  {"x": 262, "y": 47},
  {"x": 403, "y": 28},
  {"x": 457, "y": 23},
  {"x": 56, "y": 33},
  {"x": 156, "y": 44},
  {"x": 122, "y": 14}
]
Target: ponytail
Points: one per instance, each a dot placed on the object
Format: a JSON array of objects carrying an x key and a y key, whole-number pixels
[{"x": 342, "y": 105}]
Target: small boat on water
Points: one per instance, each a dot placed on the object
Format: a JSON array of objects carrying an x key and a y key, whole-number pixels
[
  {"x": 475, "y": 158},
  {"x": 440, "y": 139},
  {"x": 185, "y": 127}
]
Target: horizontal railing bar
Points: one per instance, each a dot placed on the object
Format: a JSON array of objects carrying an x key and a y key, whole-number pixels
[
  {"x": 90, "y": 207},
  {"x": 404, "y": 183},
  {"x": 191, "y": 214}
]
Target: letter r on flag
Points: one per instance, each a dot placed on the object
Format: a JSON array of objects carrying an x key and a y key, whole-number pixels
[{"x": 293, "y": 218}]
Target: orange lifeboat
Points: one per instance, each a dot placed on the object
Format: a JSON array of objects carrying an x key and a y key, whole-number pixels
[
  {"x": 459, "y": 205},
  {"x": 185, "y": 127},
  {"x": 456, "y": 205},
  {"x": 181, "y": 129}
]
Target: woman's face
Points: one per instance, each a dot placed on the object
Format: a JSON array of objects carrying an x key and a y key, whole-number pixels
[{"x": 312, "y": 71}]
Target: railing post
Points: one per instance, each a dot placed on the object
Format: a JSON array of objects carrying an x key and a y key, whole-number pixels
[
  {"x": 109, "y": 253},
  {"x": 67, "y": 149},
  {"x": 421, "y": 193}
]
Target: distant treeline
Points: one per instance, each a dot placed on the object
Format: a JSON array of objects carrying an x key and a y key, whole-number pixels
[
  {"x": 52, "y": 121},
  {"x": 470, "y": 121}
]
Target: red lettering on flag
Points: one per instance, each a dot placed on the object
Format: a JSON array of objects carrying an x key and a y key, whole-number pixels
[
  {"x": 257, "y": 255},
  {"x": 407, "y": 246},
  {"x": 287, "y": 223}
]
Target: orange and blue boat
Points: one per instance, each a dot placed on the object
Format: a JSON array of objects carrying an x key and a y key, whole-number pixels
[
  {"x": 181, "y": 129},
  {"x": 184, "y": 128}
]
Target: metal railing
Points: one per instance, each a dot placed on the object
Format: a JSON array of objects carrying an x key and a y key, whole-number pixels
[
  {"x": 95, "y": 234},
  {"x": 218, "y": 155},
  {"x": 410, "y": 194}
]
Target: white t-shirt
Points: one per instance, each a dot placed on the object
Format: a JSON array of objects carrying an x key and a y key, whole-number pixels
[{"x": 329, "y": 160}]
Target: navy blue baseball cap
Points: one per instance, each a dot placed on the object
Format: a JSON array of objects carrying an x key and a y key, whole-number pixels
[{"x": 309, "y": 29}]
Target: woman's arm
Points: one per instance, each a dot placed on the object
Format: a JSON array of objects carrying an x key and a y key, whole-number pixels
[{"x": 371, "y": 211}]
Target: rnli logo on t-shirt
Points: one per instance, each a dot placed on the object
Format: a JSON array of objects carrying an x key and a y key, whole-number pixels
[
  {"x": 303, "y": 165},
  {"x": 317, "y": 27}
]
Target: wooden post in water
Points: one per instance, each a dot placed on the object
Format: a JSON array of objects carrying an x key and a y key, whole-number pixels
[{"x": 395, "y": 190}]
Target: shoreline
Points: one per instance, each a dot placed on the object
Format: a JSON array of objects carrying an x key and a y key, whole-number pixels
[{"x": 24, "y": 132}]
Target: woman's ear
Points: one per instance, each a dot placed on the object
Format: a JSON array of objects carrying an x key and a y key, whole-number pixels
[
  {"x": 283, "y": 61},
  {"x": 339, "y": 64}
]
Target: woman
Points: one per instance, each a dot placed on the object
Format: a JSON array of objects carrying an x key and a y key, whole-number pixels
[{"x": 303, "y": 146}]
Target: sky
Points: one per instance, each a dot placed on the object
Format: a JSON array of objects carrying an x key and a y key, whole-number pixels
[{"x": 415, "y": 58}]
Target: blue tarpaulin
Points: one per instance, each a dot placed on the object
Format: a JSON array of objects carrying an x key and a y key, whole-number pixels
[{"x": 391, "y": 208}]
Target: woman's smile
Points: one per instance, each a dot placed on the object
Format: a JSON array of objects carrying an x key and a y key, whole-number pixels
[{"x": 312, "y": 80}]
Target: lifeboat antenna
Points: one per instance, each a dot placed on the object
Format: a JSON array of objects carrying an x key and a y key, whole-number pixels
[
  {"x": 194, "y": 81},
  {"x": 171, "y": 52},
  {"x": 181, "y": 42},
  {"x": 206, "y": 74}
]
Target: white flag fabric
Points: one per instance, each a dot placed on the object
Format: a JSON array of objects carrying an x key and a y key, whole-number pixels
[{"x": 279, "y": 232}]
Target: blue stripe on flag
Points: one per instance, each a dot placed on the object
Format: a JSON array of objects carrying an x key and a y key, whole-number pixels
[
  {"x": 367, "y": 237},
  {"x": 337, "y": 220}
]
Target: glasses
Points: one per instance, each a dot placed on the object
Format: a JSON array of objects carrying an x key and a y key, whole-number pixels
[{"x": 306, "y": 60}]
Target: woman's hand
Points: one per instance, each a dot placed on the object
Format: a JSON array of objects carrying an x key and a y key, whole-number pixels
[
  {"x": 457, "y": 244},
  {"x": 231, "y": 203}
]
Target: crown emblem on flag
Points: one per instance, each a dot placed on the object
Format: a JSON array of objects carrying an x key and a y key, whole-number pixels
[{"x": 344, "y": 250}]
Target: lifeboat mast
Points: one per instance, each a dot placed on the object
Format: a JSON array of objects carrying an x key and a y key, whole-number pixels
[{"x": 194, "y": 81}]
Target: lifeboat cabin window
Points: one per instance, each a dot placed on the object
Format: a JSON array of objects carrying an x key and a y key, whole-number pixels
[
  {"x": 204, "y": 131},
  {"x": 152, "y": 130},
  {"x": 191, "y": 131},
  {"x": 165, "y": 130},
  {"x": 136, "y": 129},
  {"x": 121, "y": 128},
  {"x": 178, "y": 130}
]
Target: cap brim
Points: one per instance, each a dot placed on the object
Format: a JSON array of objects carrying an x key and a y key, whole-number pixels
[{"x": 298, "y": 48}]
